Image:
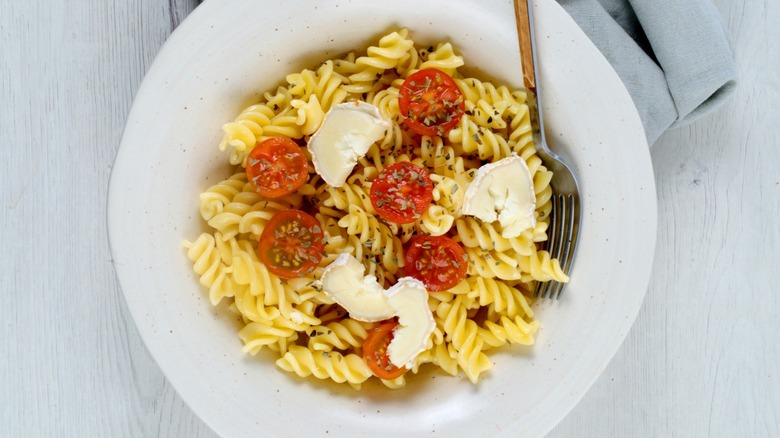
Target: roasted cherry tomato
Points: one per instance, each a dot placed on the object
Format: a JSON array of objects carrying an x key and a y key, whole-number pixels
[
  {"x": 401, "y": 192},
  {"x": 276, "y": 167},
  {"x": 291, "y": 244},
  {"x": 430, "y": 102},
  {"x": 438, "y": 261},
  {"x": 375, "y": 352}
]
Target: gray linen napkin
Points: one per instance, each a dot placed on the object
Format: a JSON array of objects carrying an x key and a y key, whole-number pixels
[{"x": 674, "y": 56}]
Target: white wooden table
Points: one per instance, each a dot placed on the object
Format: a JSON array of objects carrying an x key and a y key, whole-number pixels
[{"x": 701, "y": 360}]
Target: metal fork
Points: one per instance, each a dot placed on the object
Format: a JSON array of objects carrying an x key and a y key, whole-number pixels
[{"x": 565, "y": 215}]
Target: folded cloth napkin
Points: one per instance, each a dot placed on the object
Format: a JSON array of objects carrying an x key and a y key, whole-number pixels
[{"x": 674, "y": 56}]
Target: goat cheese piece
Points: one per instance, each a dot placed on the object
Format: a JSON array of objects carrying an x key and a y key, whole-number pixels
[
  {"x": 346, "y": 133},
  {"x": 362, "y": 296},
  {"x": 409, "y": 301},
  {"x": 503, "y": 191}
]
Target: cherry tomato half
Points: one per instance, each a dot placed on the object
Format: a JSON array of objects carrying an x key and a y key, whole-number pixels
[
  {"x": 277, "y": 167},
  {"x": 430, "y": 102},
  {"x": 291, "y": 244},
  {"x": 375, "y": 352},
  {"x": 401, "y": 192},
  {"x": 438, "y": 261}
]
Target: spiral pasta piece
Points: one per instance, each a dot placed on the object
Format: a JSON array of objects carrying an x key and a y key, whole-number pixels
[
  {"x": 443, "y": 58},
  {"x": 464, "y": 335},
  {"x": 248, "y": 213},
  {"x": 339, "y": 335},
  {"x": 258, "y": 335},
  {"x": 325, "y": 84},
  {"x": 443, "y": 160},
  {"x": 543, "y": 193},
  {"x": 508, "y": 331},
  {"x": 208, "y": 264},
  {"x": 242, "y": 134},
  {"x": 397, "y": 383},
  {"x": 436, "y": 220},
  {"x": 310, "y": 114},
  {"x": 448, "y": 193},
  {"x": 392, "y": 50},
  {"x": 475, "y": 90},
  {"x": 216, "y": 197},
  {"x": 442, "y": 355},
  {"x": 493, "y": 264},
  {"x": 475, "y": 138},
  {"x": 355, "y": 191},
  {"x": 385, "y": 247},
  {"x": 502, "y": 298},
  {"x": 349, "y": 368},
  {"x": 520, "y": 129},
  {"x": 284, "y": 122},
  {"x": 387, "y": 103},
  {"x": 541, "y": 267},
  {"x": 474, "y": 233},
  {"x": 252, "y": 308}
]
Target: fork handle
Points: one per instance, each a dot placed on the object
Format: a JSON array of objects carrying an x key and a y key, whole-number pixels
[
  {"x": 524, "y": 29},
  {"x": 524, "y": 19}
]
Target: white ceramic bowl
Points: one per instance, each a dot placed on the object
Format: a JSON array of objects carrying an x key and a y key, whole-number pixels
[{"x": 217, "y": 61}]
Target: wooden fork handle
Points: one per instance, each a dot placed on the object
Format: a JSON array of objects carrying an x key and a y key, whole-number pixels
[{"x": 523, "y": 22}]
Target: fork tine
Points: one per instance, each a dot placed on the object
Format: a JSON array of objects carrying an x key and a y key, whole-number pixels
[
  {"x": 556, "y": 290},
  {"x": 546, "y": 289},
  {"x": 562, "y": 232},
  {"x": 542, "y": 289},
  {"x": 569, "y": 237},
  {"x": 563, "y": 212},
  {"x": 557, "y": 245}
]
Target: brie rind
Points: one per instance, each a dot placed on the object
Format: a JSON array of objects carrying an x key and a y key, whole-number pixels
[
  {"x": 503, "y": 191},
  {"x": 346, "y": 133},
  {"x": 409, "y": 300}
]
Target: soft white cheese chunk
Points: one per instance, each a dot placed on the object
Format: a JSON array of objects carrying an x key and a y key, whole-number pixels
[
  {"x": 503, "y": 191},
  {"x": 362, "y": 296},
  {"x": 366, "y": 300},
  {"x": 409, "y": 300},
  {"x": 346, "y": 133}
]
